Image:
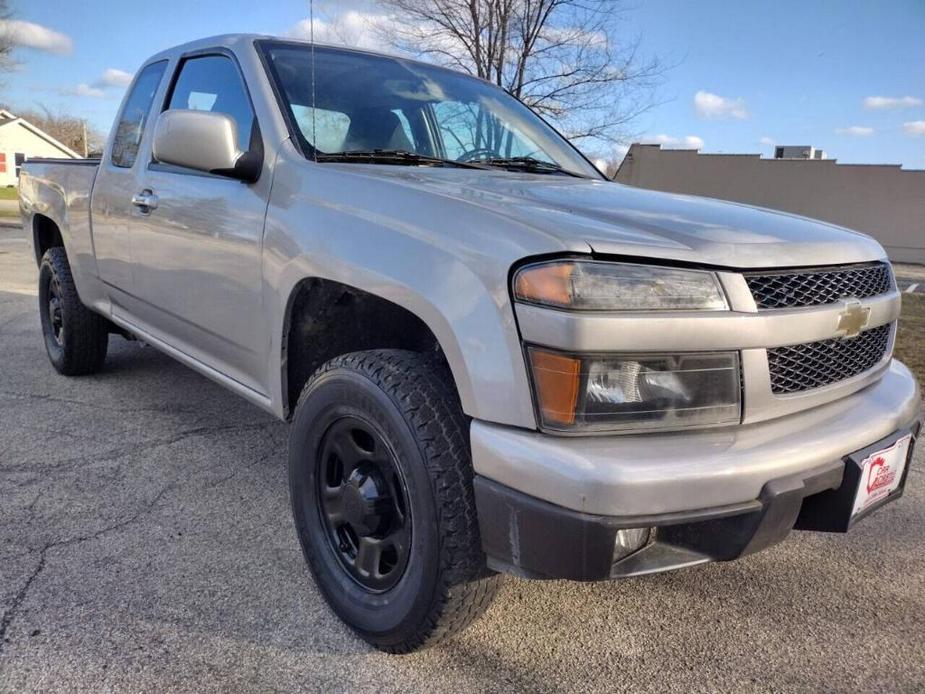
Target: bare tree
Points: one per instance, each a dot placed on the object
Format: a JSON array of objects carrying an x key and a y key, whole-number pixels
[
  {"x": 564, "y": 58},
  {"x": 7, "y": 40},
  {"x": 611, "y": 167},
  {"x": 69, "y": 130}
]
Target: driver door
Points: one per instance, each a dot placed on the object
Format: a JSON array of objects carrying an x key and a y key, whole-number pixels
[{"x": 198, "y": 249}]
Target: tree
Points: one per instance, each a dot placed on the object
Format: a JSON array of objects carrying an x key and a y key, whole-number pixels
[
  {"x": 563, "y": 58},
  {"x": 69, "y": 130},
  {"x": 7, "y": 40}
]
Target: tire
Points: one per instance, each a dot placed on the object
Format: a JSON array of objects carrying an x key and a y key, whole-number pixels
[
  {"x": 425, "y": 581},
  {"x": 76, "y": 338}
]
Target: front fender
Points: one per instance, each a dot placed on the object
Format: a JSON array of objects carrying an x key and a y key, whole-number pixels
[{"x": 441, "y": 260}]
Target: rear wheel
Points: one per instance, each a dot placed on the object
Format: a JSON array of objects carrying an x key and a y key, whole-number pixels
[
  {"x": 381, "y": 484},
  {"x": 76, "y": 338}
]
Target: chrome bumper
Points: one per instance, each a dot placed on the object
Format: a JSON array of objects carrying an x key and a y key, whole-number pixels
[{"x": 685, "y": 471}]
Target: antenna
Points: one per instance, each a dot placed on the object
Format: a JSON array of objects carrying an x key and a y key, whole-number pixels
[{"x": 311, "y": 36}]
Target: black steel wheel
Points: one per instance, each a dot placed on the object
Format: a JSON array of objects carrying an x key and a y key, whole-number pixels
[
  {"x": 363, "y": 503},
  {"x": 55, "y": 312},
  {"x": 380, "y": 477},
  {"x": 76, "y": 338}
]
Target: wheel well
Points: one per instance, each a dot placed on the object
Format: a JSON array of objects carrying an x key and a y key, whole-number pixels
[
  {"x": 326, "y": 319},
  {"x": 45, "y": 235}
]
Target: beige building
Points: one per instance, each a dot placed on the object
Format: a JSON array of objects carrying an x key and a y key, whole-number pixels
[
  {"x": 20, "y": 140},
  {"x": 884, "y": 201}
]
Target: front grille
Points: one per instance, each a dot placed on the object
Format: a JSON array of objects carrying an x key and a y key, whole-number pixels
[
  {"x": 816, "y": 364},
  {"x": 794, "y": 288}
]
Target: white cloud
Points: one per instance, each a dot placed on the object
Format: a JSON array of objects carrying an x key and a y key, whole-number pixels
[
  {"x": 112, "y": 77},
  {"x": 112, "y": 80},
  {"x": 364, "y": 24},
  {"x": 767, "y": 141},
  {"x": 714, "y": 106},
  {"x": 577, "y": 37},
  {"x": 354, "y": 28},
  {"x": 667, "y": 141},
  {"x": 889, "y": 102},
  {"x": 914, "y": 128},
  {"x": 855, "y": 131},
  {"x": 31, "y": 35},
  {"x": 87, "y": 90}
]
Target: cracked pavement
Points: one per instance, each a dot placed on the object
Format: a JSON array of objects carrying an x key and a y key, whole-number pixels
[{"x": 146, "y": 545}]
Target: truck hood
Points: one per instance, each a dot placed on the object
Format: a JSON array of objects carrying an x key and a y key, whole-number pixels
[{"x": 615, "y": 219}]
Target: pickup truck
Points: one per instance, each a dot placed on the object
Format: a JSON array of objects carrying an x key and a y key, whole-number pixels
[{"x": 493, "y": 359}]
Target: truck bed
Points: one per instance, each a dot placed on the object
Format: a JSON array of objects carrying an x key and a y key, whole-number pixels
[
  {"x": 59, "y": 189},
  {"x": 64, "y": 160},
  {"x": 55, "y": 186}
]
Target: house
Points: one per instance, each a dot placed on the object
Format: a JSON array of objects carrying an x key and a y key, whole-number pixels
[
  {"x": 883, "y": 200},
  {"x": 20, "y": 140}
]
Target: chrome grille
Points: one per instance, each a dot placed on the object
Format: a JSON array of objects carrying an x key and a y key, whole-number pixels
[
  {"x": 815, "y": 364},
  {"x": 813, "y": 287}
]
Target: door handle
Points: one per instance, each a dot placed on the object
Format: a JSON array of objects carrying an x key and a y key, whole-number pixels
[{"x": 146, "y": 200}]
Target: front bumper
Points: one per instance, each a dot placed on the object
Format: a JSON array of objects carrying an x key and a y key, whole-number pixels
[{"x": 551, "y": 506}]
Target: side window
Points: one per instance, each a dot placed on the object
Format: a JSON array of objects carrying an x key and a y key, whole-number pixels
[
  {"x": 467, "y": 129},
  {"x": 212, "y": 83},
  {"x": 459, "y": 127},
  {"x": 328, "y": 131},
  {"x": 405, "y": 125},
  {"x": 132, "y": 121}
]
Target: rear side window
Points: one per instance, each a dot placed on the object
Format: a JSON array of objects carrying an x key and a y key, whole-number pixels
[
  {"x": 212, "y": 83},
  {"x": 135, "y": 114}
]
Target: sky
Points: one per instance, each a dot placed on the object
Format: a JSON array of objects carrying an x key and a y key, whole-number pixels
[{"x": 845, "y": 76}]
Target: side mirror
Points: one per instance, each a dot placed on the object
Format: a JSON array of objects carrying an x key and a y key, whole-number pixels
[{"x": 203, "y": 141}]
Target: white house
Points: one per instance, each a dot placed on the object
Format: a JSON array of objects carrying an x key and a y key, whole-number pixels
[{"x": 20, "y": 140}]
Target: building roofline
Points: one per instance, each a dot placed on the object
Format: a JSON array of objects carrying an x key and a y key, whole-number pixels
[
  {"x": 762, "y": 158},
  {"x": 42, "y": 134}
]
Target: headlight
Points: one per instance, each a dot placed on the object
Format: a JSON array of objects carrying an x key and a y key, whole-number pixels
[
  {"x": 618, "y": 392},
  {"x": 585, "y": 285}
]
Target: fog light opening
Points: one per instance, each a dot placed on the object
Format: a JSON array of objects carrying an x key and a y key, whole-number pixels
[{"x": 630, "y": 540}]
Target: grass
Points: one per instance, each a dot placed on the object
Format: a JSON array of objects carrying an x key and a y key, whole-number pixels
[
  {"x": 910, "y": 341},
  {"x": 9, "y": 193}
]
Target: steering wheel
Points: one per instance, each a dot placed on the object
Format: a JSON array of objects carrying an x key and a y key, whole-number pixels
[{"x": 476, "y": 154}]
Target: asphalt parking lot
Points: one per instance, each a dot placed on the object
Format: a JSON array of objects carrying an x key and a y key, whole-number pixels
[
  {"x": 910, "y": 278},
  {"x": 146, "y": 544}
]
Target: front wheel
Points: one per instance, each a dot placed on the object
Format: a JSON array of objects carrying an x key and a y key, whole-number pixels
[
  {"x": 76, "y": 338},
  {"x": 381, "y": 483}
]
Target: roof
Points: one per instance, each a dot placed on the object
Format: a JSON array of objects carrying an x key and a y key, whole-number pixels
[{"x": 7, "y": 119}]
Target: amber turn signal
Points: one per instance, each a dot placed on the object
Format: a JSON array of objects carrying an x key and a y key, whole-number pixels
[{"x": 556, "y": 378}]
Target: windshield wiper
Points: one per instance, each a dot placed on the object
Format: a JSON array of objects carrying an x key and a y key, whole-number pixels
[
  {"x": 529, "y": 164},
  {"x": 395, "y": 156},
  {"x": 403, "y": 156}
]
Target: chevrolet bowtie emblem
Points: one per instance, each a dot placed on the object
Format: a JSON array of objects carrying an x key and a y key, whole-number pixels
[{"x": 853, "y": 319}]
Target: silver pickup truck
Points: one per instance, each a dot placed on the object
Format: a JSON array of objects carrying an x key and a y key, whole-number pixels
[{"x": 493, "y": 359}]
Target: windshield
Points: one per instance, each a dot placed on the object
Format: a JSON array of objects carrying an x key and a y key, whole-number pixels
[{"x": 358, "y": 102}]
